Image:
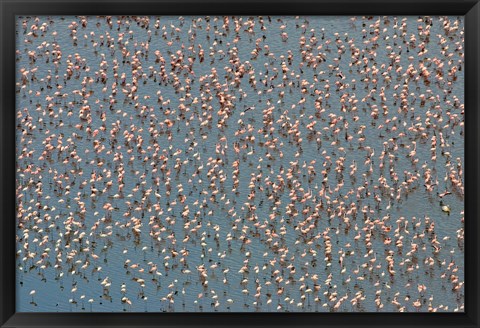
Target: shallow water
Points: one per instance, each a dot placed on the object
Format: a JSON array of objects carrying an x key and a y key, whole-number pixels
[{"x": 230, "y": 218}]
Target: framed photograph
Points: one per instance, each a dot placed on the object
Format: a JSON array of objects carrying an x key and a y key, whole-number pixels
[{"x": 208, "y": 163}]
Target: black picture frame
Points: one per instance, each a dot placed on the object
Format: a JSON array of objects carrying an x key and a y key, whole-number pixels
[{"x": 10, "y": 8}]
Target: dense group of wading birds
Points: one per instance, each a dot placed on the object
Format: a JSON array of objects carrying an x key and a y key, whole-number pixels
[{"x": 240, "y": 164}]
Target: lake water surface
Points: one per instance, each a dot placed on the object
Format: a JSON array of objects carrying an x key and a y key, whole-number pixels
[{"x": 213, "y": 164}]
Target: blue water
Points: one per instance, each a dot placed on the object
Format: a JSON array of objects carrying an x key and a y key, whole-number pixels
[{"x": 97, "y": 161}]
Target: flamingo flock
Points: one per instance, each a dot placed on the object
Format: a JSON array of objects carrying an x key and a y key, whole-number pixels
[{"x": 216, "y": 164}]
